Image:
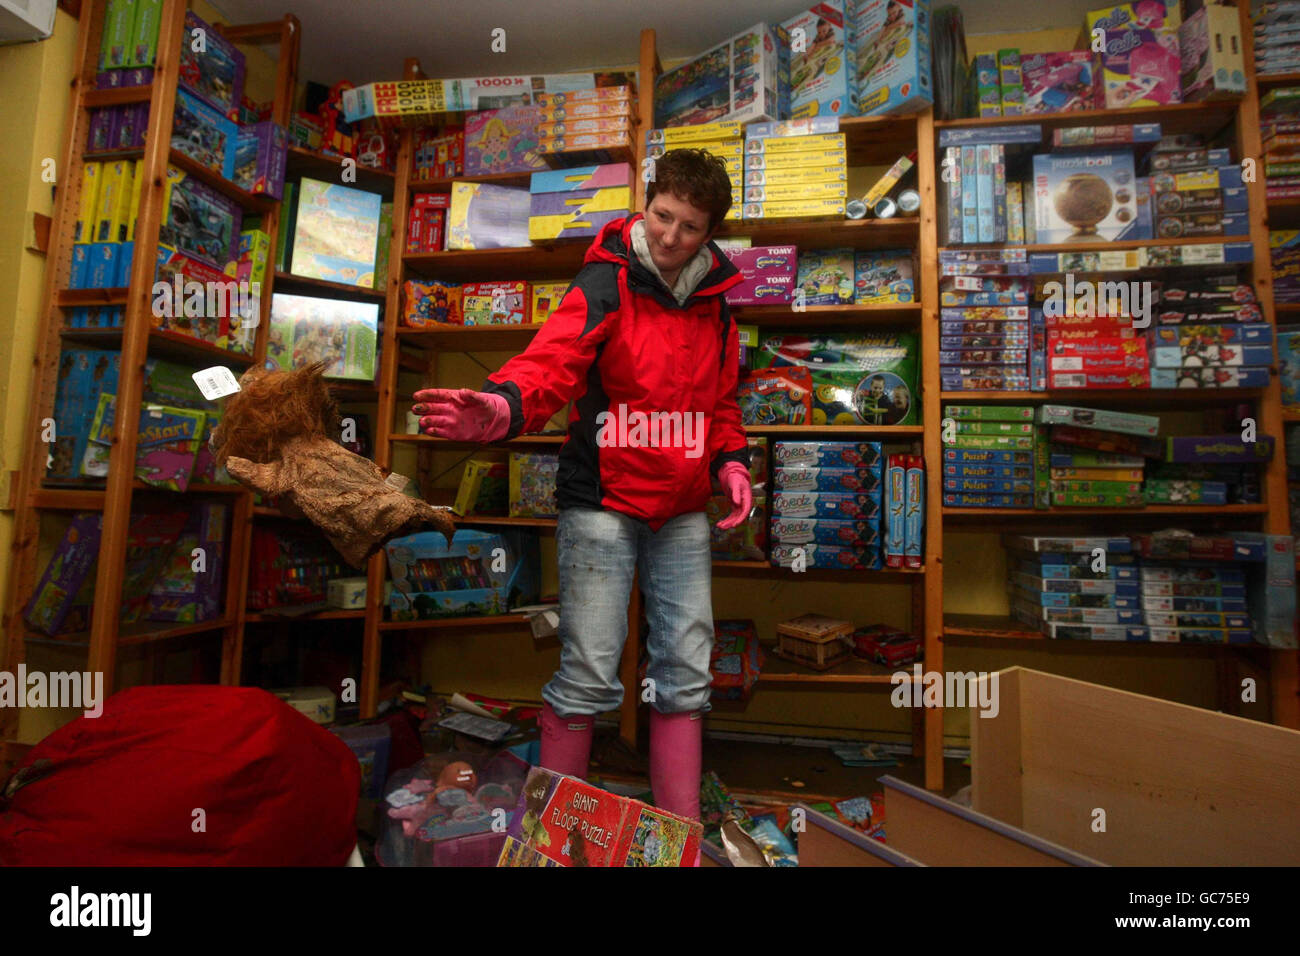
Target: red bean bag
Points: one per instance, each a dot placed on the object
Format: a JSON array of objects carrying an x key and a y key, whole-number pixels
[{"x": 125, "y": 788}]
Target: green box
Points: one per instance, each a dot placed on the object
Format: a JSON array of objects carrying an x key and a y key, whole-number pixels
[
  {"x": 144, "y": 33},
  {"x": 1084, "y": 499},
  {"x": 385, "y": 240},
  {"x": 115, "y": 43},
  {"x": 995, "y": 428},
  {"x": 864, "y": 378},
  {"x": 989, "y": 413},
  {"x": 1022, "y": 442}
]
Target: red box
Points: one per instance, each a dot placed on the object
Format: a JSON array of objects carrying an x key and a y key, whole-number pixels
[{"x": 886, "y": 645}]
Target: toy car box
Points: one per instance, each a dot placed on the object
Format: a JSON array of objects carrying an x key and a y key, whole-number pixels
[{"x": 432, "y": 580}]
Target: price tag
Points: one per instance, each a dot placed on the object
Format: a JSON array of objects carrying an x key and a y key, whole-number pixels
[
  {"x": 216, "y": 382},
  {"x": 397, "y": 481}
]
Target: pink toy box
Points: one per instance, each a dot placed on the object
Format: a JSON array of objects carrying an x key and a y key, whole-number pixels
[
  {"x": 1059, "y": 82},
  {"x": 1141, "y": 68}
]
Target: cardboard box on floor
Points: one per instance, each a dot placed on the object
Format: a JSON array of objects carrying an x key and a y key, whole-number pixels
[
  {"x": 563, "y": 821},
  {"x": 1179, "y": 785}
]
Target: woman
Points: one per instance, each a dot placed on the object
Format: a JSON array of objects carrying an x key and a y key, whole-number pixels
[{"x": 642, "y": 334}]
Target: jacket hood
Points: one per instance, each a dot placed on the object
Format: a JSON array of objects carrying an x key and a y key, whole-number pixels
[{"x": 614, "y": 244}]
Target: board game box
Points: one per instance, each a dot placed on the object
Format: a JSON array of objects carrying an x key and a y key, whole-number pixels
[
  {"x": 341, "y": 333},
  {"x": 336, "y": 233},
  {"x": 858, "y": 379}
]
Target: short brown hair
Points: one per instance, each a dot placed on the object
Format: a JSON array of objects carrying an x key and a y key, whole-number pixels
[{"x": 695, "y": 176}]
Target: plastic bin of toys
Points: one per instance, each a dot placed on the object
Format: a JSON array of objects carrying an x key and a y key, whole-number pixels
[{"x": 450, "y": 809}]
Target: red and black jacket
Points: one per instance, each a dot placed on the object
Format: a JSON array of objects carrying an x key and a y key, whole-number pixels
[{"x": 619, "y": 338}]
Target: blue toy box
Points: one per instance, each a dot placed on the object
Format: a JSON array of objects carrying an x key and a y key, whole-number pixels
[{"x": 480, "y": 574}]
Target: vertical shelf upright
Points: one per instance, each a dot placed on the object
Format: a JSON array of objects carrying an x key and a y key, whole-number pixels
[{"x": 136, "y": 337}]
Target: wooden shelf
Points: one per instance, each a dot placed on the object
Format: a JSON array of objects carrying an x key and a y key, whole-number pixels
[
  {"x": 1206, "y": 118},
  {"x": 981, "y": 626},
  {"x": 883, "y": 432},
  {"x": 1268, "y": 81},
  {"x": 314, "y": 165},
  {"x": 82, "y": 498},
  {"x": 776, "y": 670},
  {"x": 1291, "y": 415},
  {"x": 254, "y": 202},
  {"x": 120, "y": 96},
  {"x": 979, "y": 516},
  {"x": 162, "y": 342},
  {"x": 849, "y": 233},
  {"x": 1125, "y": 397},
  {"x": 146, "y": 632},
  {"x": 1003, "y": 631},
  {"x": 557, "y": 261},
  {"x": 1101, "y": 246},
  {"x": 819, "y": 316},
  {"x": 544, "y": 441},
  {"x": 445, "y": 623},
  {"x": 76, "y": 298},
  {"x": 471, "y": 338},
  {"x": 261, "y": 617},
  {"x": 443, "y": 185},
  {"x": 767, "y": 570},
  {"x": 507, "y": 522},
  {"x": 305, "y": 285}
]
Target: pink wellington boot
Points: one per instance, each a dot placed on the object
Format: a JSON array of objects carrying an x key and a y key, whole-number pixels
[
  {"x": 566, "y": 742},
  {"x": 675, "y": 744}
]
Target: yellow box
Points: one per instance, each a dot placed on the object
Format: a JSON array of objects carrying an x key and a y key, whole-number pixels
[
  {"x": 546, "y": 298},
  {"x": 807, "y": 208},
  {"x": 568, "y": 111},
  {"x": 607, "y": 124},
  {"x": 573, "y": 223},
  {"x": 814, "y": 157},
  {"x": 794, "y": 144},
  {"x": 84, "y": 230},
  {"x": 790, "y": 175},
  {"x": 114, "y": 198},
  {"x": 691, "y": 134},
  {"x": 789, "y": 191},
  {"x": 561, "y": 144}
]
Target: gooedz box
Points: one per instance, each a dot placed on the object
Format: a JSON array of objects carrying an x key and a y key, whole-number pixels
[
  {"x": 745, "y": 78},
  {"x": 862, "y": 455},
  {"x": 860, "y": 379},
  {"x": 1141, "y": 68},
  {"x": 823, "y": 73},
  {"x": 433, "y": 580},
  {"x": 893, "y": 56},
  {"x": 1086, "y": 196},
  {"x": 812, "y": 504},
  {"x": 563, "y": 821},
  {"x": 832, "y": 556}
]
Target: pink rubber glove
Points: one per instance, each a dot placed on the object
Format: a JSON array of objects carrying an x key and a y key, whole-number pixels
[
  {"x": 734, "y": 478},
  {"x": 462, "y": 414}
]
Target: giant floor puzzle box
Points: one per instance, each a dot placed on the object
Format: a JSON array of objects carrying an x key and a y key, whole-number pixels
[{"x": 563, "y": 821}]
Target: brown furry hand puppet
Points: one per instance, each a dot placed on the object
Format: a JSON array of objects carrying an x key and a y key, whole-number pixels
[{"x": 278, "y": 436}]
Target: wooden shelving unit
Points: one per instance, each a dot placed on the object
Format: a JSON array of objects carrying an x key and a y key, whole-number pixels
[{"x": 137, "y": 339}]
